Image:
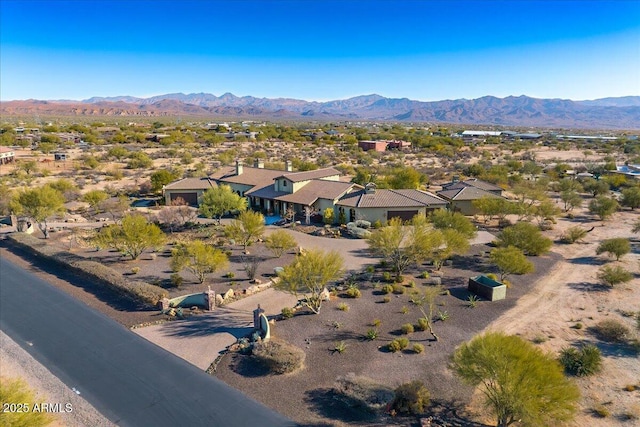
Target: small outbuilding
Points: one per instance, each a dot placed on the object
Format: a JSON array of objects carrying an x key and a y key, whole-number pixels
[{"x": 487, "y": 288}]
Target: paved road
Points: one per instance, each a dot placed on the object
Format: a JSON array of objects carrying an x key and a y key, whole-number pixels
[{"x": 130, "y": 380}]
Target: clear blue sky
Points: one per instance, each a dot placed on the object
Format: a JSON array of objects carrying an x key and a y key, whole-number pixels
[{"x": 320, "y": 50}]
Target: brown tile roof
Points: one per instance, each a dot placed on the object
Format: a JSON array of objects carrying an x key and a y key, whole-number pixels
[
  {"x": 465, "y": 193},
  {"x": 5, "y": 150},
  {"x": 191, "y": 184},
  {"x": 309, "y": 175},
  {"x": 265, "y": 192},
  {"x": 250, "y": 176},
  {"x": 473, "y": 182},
  {"x": 391, "y": 199},
  {"x": 317, "y": 189}
]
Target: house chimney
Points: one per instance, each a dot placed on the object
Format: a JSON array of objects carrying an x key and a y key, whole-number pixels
[
  {"x": 258, "y": 163},
  {"x": 288, "y": 166},
  {"x": 370, "y": 188},
  {"x": 239, "y": 167}
]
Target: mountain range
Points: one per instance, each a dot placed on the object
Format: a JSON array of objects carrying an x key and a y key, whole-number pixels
[{"x": 605, "y": 113}]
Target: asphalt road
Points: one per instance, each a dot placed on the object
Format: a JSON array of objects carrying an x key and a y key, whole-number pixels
[{"x": 128, "y": 379}]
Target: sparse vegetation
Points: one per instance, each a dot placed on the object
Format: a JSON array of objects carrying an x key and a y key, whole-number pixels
[{"x": 278, "y": 356}]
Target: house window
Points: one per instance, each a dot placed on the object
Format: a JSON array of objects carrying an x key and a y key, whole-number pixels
[{"x": 284, "y": 182}]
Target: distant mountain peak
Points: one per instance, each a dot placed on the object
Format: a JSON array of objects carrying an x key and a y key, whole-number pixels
[{"x": 520, "y": 110}]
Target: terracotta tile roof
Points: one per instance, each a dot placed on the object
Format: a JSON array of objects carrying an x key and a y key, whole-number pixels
[
  {"x": 309, "y": 175},
  {"x": 191, "y": 184},
  {"x": 465, "y": 193},
  {"x": 6, "y": 150},
  {"x": 382, "y": 198},
  {"x": 473, "y": 182}
]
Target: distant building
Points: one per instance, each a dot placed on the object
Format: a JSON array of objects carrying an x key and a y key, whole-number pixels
[
  {"x": 384, "y": 145},
  {"x": 7, "y": 155}
]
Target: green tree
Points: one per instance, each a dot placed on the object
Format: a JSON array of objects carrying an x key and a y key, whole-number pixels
[
  {"x": 220, "y": 200},
  {"x": 631, "y": 198},
  {"x": 198, "y": 258},
  {"x": 618, "y": 247},
  {"x": 29, "y": 166},
  {"x": 546, "y": 210},
  {"x": 248, "y": 227},
  {"x": 406, "y": 178},
  {"x": 279, "y": 242},
  {"x": 525, "y": 236},
  {"x": 309, "y": 274},
  {"x": 603, "y": 206},
  {"x": 132, "y": 237},
  {"x": 453, "y": 243},
  {"x": 160, "y": 178},
  {"x": 94, "y": 198},
  {"x": 521, "y": 384},
  {"x": 39, "y": 204},
  {"x": 139, "y": 160},
  {"x": 571, "y": 200},
  {"x": 403, "y": 245},
  {"x": 16, "y": 391},
  {"x": 493, "y": 207},
  {"x": 47, "y": 147},
  {"x": 596, "y": 187},
  {"x": 443, "y": 219},
  {"x": 328, "y": 216},
  {"x": 615, "y": 275},
  {"x": 510, "y": 260}
]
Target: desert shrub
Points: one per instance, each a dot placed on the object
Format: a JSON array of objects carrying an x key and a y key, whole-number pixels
[
  {"x": 418, "y": 348},
  {"x": 372, "y": 334},
  {"x": 386, "y": 299},
  {"x": 411, "y": 398},
  {"x": 407, "y": 328},
  {"x": 362, "y": 392},
  {"x": 398, "y": 289},
  {"x": 611, "y": 330},
  {"x": 404, "y": 310},
  {"x": 573, "y": 234},
  {"x": 287, "y": 313},
  {"x": 135, "y": 270},
  {"x": 443, "y": 315},
  {"x": 353, "y": 292},
  {"x": 377, "y": 224},
  {"x": 614, "y": 275},
  {"x": 398, "y": 344},
  {"x": 602, "y": 411},
  {"x": 387, "y": 289},
  {"x": 16, "y": 391},
  {"x": 423, "y": 324},
  {"x": 376, "y": 322},
  {"x": 343, "y": 306},
  {"x": 230, "y": 275},
  {"x": 616, "y": 247},
  {"x": 424, "y": 275},
  {"x": 581, "y": 362},
  {"x": 339, "y": 347},
  {"x": 176, "y": 280},
  {"x": 525, "y": 236},
  {"x": 278, "y": 356},
  {"x": 387, "y": 277}
]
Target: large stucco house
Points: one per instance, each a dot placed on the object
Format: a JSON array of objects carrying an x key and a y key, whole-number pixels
[{"x": 273, "y": 192}]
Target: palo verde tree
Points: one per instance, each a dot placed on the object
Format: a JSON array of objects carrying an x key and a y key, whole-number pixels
[
  {"x": 603, "y": 206},
  {"x": 631, "y": 197},
  {"x": 220, "y": 200},
  {"x": 247, "y": 228},
  {"x": 132, "y": 237},
  {"x": 525, "y": 236},
  {"x": 94, "y": 198},
  {"x": 198, "y": 258},
  {"x": 617, "y": 247},
  {"x": 521, "y": 384},
  {"x": 612, "y": 276},
  {"x": 510, "y": 260},
  {"x": 404, "y": 244},
  {"x": 38, "y": 204},
  {"x": 426, "y": 302},
  {"x": 279, "y": 242},
  {"x": 308, "y": 275}
]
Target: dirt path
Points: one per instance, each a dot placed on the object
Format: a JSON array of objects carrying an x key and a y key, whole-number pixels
[{"x": 569, "y": 295}]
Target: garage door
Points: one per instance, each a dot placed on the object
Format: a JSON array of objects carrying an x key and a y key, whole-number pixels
[
  {"x": 190, "y": 198},
  {"x": 403, "y": 215}
]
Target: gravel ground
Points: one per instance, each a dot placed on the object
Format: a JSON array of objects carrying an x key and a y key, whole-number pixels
[
  {"x": 17, "y": 363},
  {"x": 306, "y": 396}
]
